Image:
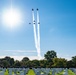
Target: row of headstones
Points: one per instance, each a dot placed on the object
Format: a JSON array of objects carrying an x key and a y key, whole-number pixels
[
  {"x": 10, "y": 73},
  {"x": 73, "y": 70},
  {"x": 24, "y": 71},
  {"x": 37, "y": 71},
  {"x": 21, "y": 71},
  {"x": 53, "y": 70},
  {"x": 58, "y": 70}
]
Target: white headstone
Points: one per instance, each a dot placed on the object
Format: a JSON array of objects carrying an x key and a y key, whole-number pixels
[
  {"x": 2, "y": 73},
  {"x": 21, "y": 72},
  {"x": 65, "y": 72},
  {"x": 10, "y": 71}
]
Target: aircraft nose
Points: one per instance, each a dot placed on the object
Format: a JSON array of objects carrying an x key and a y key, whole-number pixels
[{"x": 32, "y": 9}]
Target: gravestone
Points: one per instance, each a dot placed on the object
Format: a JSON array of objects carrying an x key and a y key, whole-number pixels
[
  {"x": 36, "y": 70},
  {"x": 38, "y": 73},
  {"x": 65, "y": 72},
  {"x": 21, "y": 72},
  {"x": 10, "y": 71},
  {"x": 73, "y": 70},
  {"x": 2, "y": 73},
  {"x": 47, "y": 70},
  {"x": 53, "y": 71}
]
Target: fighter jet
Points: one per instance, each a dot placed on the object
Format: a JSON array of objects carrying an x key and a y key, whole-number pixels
[
  {"x": 32, "y": 9},
  {"x": 39, "y": 23},
  {"x": 37, "y": 9},
  {"x": 29, "y": 23},
  {"x": 34, "y": 20}
]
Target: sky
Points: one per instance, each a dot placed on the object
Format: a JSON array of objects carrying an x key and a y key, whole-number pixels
[{"x": 57, "y": 28}]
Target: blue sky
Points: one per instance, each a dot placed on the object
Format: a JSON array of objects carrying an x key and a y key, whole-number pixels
[{"x": 57, "y": 28}]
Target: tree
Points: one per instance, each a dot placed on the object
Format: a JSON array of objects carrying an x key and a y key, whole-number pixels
[
  {"x": 25, "y": 59},
  {"x": 29, "y": 64},
  {"x": 50, "y": 55},
  {"x": 59, "y": 62},
  {"x": 74, "y": 61},
  {"x": 17, "y": 64},
  {"x": 5, "y": 63},
  {"x": 70, "y": 64},
  {"x": 43, "y": 63},
  {"x": 35, "y": 63},
  {"x": 9, "y": 60}
]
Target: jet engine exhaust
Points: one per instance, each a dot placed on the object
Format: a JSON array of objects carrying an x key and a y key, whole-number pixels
[{"x": 36, "y": 32}]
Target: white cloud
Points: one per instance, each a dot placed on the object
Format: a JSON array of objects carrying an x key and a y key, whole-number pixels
[
  {"x": 68, "y": 57},
  {"x": 21, "y": 57},
  {"x": 21, "y": 51}
]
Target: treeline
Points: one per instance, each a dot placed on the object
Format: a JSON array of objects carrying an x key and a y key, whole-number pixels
[{"x": 50, "y": 60}]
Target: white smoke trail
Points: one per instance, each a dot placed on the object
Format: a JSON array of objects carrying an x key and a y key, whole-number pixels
[
  {"x": 36, "y": 34},
  {"x": 34, "y": 26},
  {"x": 38, "y": 29}
]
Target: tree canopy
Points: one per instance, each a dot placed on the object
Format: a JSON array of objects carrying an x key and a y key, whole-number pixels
[
  {"x": 50, "y": 55},
  {"x": 50, "y": 60}
]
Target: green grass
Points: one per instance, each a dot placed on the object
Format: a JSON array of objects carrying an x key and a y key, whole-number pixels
[
  {"x": 70, "y": 72},
  {"x": 6, "y": 72},
  {"x": 60, "y": 73},
  {"x": 50, "y": 73},
  {"x": 31, "y": 72},
  {"x": 12, "y": 73}
]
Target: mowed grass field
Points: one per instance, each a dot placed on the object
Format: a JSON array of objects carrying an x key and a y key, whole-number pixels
[
  {"x": 69, "y": 73},
  {"x": 31, "y": 72}
]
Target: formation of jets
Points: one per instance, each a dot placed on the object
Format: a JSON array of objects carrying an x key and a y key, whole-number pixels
[{"x": 34, "y": 21}]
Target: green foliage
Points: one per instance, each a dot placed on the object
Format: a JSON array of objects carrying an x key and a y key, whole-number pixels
[
  {"x": 50, "y": 60},
  {"x": 17, "y": 63},
  {"x": 5, "y": 63},
  {"x": 70, "y": 64},
  {"x": 59, "y": 62},
  {"x": 25, "y": 59},
  {"x": 50, "y": 55},
  {"x": 43, "y": 63},
  {"x": 35, "y": 63},
  {"x": 74, "y": 61}
]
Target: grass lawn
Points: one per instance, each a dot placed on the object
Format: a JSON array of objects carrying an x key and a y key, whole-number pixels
[
  {"x": 6, "y": 73},
  {"x": 70, "y": 72},
  {"x": 31, "y": 72},
  {"x": 50, "y": 73},
  {"x": 60, "y": 73}
]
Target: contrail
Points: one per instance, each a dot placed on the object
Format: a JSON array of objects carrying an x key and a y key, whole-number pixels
[
  {"x": 38, "y": 30},
  {"x": 34, "y": 26}
]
